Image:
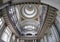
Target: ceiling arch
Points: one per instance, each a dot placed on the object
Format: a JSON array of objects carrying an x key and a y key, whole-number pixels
[{"x": 54, "y": 3}]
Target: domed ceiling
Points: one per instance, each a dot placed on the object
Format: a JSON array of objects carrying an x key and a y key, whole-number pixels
[{"x": 29, "y": 19}]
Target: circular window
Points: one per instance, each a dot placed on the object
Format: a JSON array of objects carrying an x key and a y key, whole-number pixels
[{"x": 29, "y": 11}]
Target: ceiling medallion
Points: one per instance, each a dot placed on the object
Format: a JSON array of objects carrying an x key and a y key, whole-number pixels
[{"x": 29, "y": 10}]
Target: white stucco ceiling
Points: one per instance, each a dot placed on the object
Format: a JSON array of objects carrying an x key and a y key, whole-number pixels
[{"x": 54, "y": 3}]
